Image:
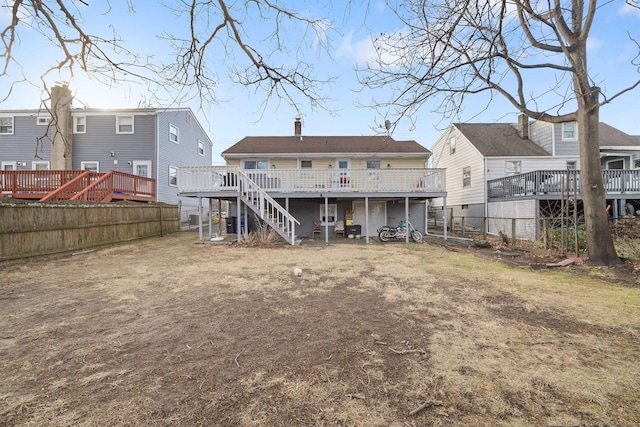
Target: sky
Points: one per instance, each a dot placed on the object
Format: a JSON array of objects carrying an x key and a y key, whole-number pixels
[{"x": 240, "y": 111}]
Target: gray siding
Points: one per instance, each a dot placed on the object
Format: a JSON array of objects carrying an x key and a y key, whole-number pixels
[
  {"x": 564, "y": 148},
  {"x": 541, "y": 134},
  {"x": 185, "y": 153},
  {"x": 101, "y": 139},
  {"x": 23, "y": 145},
  {"x": 149, "y": 142}
]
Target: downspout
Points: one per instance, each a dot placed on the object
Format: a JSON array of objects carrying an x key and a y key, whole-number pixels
[{"x": 486, "y": 196}]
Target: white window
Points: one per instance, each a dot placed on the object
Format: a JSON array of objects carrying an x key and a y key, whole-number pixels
[
  {"x": 256, "y": 164},
  {"x": 512, "y": 167},
  {"x": 173, "y": 134},
  {"x": 569, "y": 131},
  {"x": 90, "y": 166},
  {"x": 9, "y": 166},
  {"x": 452, "y": 145},
  {"x": 40, "y": 166},
  {"x": 201, "y": 148},
  {"x": 124, "y": 124},
  {"x": 6, "y": 125},
  {"x": 43, "y": 120},
  {"x": 306, "y": 164},
  {"x": 79, "y": 124},
  {"x": 373, "y": 164},
  {"x": 466, "y": 176},
  {"x": 332, "y": 214},
  {"x": 173, "y": 176}
]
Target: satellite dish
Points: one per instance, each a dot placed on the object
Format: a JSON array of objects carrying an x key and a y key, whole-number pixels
[{"x": 387, "y": 124}]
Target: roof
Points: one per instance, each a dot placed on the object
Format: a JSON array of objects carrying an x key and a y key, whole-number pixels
[
  {"x": 270, "y": 145},
  {"x": 499, "y": 139},
  {"x": 612, "y": 137}
]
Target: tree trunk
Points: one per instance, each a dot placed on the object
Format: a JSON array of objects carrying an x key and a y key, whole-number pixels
[{"x": 599, "y": 240}]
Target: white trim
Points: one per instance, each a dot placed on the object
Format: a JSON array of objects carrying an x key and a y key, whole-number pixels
[
  {"x": 169, "y": 176},
  {"x": 83, "y": 165},
  {"x": 173, "y": 127},
  {"x": 43, "y": 120},
  {"x": 204, "y": 150},
  {"x": 12, "y": 163},
  {"x": 575, "y": 131},
  {"x": 122, "y": 116},
  {"x": 13, "y": 125},
  {"x": 148, "y": 163},
  {"x": 40, "y": 162},
  {"x": 75, "y": 124}
]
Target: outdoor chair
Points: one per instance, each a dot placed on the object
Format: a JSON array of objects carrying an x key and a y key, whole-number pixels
[
  {"x": 317, "y": 228},
  {"x": 339, "y": 228}
]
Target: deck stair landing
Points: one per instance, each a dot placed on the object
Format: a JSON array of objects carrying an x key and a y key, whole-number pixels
[{"x": 267, "y": 208}]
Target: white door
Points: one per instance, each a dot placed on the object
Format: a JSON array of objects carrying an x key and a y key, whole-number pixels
[
  {"x": 142, "y": 168},
  {"x": 9, "y": 166},
  {"x": 377, "y": 215}
]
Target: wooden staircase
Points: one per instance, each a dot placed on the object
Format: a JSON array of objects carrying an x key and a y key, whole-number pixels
[{"x": 267, "y": 209}]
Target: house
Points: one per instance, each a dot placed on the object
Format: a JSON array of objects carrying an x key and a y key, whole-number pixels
[
  {"x": 291, "y": 181},
  {"x": 146, "y": 142},
  {"x": 524, "y": 170}
]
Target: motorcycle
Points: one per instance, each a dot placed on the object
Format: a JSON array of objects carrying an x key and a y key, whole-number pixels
[{"x": 386, "y": 233}]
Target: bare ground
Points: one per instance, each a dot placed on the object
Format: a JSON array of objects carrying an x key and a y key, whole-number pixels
[{"x": 170, "y": 332}]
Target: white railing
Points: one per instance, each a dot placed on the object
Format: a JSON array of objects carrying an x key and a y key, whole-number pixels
[
  {"x": 221, "y": 178},
  {"x": 267, "y": 208}
]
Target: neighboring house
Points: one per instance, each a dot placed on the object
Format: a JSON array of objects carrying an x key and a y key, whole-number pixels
[
  {"x": 143, "y": 141},
  {"x": 497, "y": 170},
  {"x": 363, "y": 182}
]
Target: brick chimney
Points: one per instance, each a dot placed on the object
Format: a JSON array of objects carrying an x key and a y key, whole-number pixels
[
  {"x": 297, "y": 127},
  {"x": 523, "y": 126},
  {"x": 62, "y": 128}
]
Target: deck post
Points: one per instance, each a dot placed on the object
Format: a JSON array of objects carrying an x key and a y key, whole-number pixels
[
  {"x": 444, "y": 217},
  {"x": 366, "y": 219},
  {"x": 406, "y": 219},
  {"x": 326, "y": 220},
  {"x": 200, "y": 218}
]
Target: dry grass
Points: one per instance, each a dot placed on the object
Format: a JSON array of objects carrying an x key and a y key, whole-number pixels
[{"x": 167, "y": 332}]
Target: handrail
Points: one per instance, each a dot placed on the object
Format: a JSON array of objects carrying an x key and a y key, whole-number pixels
[
  {"x": 388, "y": 180},
  {"x": 66, "y": 188},
  {"x": 267, "y": 208},
  {"x": 556, "y": 182},
  {"x": 89, "y": 192}
]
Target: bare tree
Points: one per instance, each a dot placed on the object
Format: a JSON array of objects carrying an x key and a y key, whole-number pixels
[
  {"x": 208, "y": 32},
  {"x": 447, "y": 51}
]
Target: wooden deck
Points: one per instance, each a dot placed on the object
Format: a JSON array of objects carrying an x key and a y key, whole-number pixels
[
  {"x": 200, "y": 180},
  {"x": 48, "y": 185}
]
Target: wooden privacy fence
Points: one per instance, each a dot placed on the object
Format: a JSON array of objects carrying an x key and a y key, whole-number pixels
[{"x": 34, "y": 229}]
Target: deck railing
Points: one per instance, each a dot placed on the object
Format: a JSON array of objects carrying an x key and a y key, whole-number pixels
[
  {"x": 77, "y": 185},
  {"x": 221, "y": 178},
  {"x": 557, "y": 182}
]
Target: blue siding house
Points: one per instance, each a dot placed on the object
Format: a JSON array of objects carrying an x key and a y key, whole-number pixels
[{"x": 143, "y": 141}]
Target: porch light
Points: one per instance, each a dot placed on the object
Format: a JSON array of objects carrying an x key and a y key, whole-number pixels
[
  {"x": 273, "y": 166},
  {"x": 388, "y": 165},
  {"x": 330, "y": 167}
]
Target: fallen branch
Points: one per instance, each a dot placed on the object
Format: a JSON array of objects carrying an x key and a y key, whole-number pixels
[
  {"x": 425, "y": 405},
  {"x": 417, "y": 350},
  {"x": 238, "y": 355}
]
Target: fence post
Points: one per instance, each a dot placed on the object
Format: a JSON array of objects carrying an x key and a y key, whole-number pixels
[
  {"x": 513, "y": 232},
  {"x": 462, "y": 225}
]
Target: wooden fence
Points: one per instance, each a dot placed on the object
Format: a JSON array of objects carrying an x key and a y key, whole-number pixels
[{"x": 35, "y": 229}]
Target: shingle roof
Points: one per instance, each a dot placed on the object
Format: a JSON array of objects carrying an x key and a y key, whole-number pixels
[
  {"x": 324, "y": 145},
  {"x": 499, "y": 139},
  {"x": 612, "y": 137}
]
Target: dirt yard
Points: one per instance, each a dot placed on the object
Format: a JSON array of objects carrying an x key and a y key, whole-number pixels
[{"x": 172, "y": 332}]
